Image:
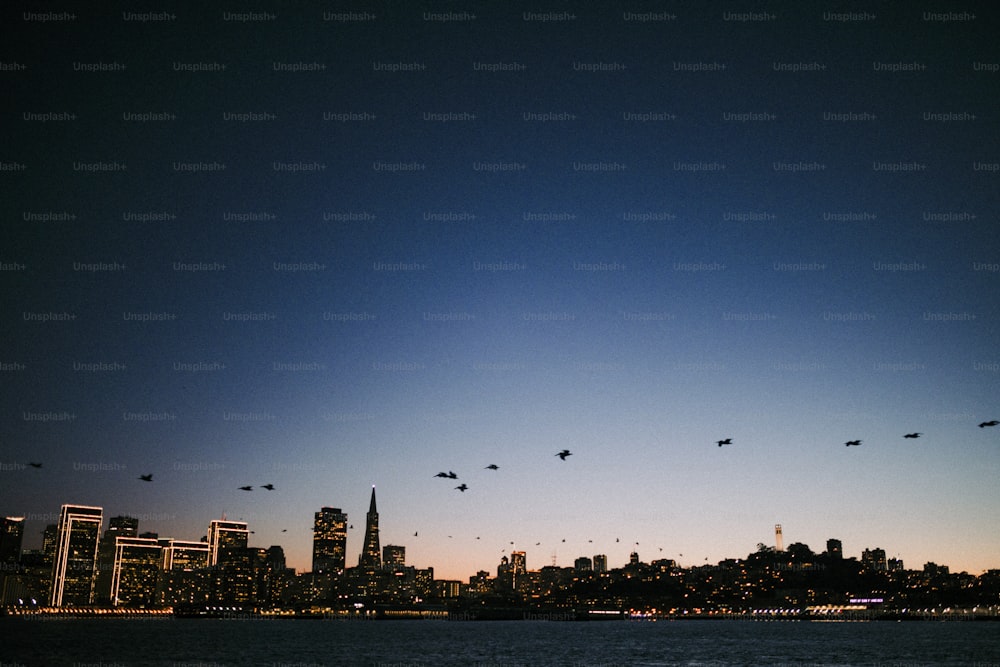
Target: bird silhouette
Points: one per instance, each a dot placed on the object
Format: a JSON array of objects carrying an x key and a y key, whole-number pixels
[
  {"x": 452, "y": 475},
  {"x": 269, "y": 487},
  {"x": 852, "y": 443},
  {"x": 492, "y": 466},
  {"x": 351, "y": 526},
  {"x": 284, "y": 530},
  {"x": 414, "y": 534},
  {"x": 246, "y": 488},
  {"x": 442, "y": 474},
  {"x": 146, "y": 478},
  {"x": 564, "y": 453},
  {"x": 461, "y": 487},
  {"x": 727, "y": 441},
  {"x": 913, "y": 435},
  {"x": 992, "y": 422},
  {"x": 617, "y": 540},
  {"x": 35, "y": 465}
]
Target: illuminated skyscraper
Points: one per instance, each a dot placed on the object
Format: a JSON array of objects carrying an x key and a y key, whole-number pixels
[
  {"x": 393, "y": 557},
  {"x": 183, "y": 555},
  {"x": 118, "y": 526},
  {"x": 329, "y": 540},
  {"x": 76, "y": 555},
  {"x": 370, "y": 557},
  {"x": 226, "y": 539},
  {"x": 136, "y": 566}
]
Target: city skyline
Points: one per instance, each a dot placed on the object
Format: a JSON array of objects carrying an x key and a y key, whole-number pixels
[
  {"x": 225, "y": 533},
  {"x": 743, "y": 266}
]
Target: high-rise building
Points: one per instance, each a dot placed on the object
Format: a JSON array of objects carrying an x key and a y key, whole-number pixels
[
  {"x": 76, "y": 555},
  {"x": 583, "y": 564},
  {"x": 393, "y": 557},
  {"x": 50, "y": 542},
  {"x": 834, "y": 549},
  {"x": 600, "y": 563},
  {"x": 329, "y": 540},
  {"x": 11, "y": 534},
  {"x": 184, "y": 555},
  {"x": 874, "y": 559},
  {"x": 779, "y": 544},
  {"x": 118, "y": 526},
  {"x": 370, "y": 557},
  {"x": 136, "y": 566},
  {"x": 226, "y": 540}
]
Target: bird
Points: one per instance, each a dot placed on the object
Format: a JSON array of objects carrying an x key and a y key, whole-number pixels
[
  {"x": 246, "y": 488},
  {"x": 727, "y": 441},
  {"x": 146, "y": 478},
  {"x": 617, "y": 540},
  {"x": 564, "y": 453},
  {"x": 461, "y": 487},
  {"x": 537, "y": 543},
  {"x": 350, "y": 527},
  {"x": 414, "y": 534},
  {"x": 284, "y": 530},
  {"x": 269, "y": 487},
  {"x": 492, "y": 466},
  {"x": 913, "y": 435},
  {"x": 852, "y": 443},
  {"x": 35, "y": 465},
  {"x": 452, "y": 475},
  {"x": 992, "y": 422},
  {"x": 442, "y": 474}
]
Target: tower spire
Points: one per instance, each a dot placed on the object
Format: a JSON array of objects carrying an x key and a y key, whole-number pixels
[{"x": 371, "y": 554}]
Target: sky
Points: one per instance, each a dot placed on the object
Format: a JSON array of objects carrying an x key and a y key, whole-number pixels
[{"x": 329, "y": 247}]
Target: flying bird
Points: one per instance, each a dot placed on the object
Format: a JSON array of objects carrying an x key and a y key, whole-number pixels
[
  {"x": 461, "y": 487},
  {"x": 852, "y": 443},
  {"x": 35, "y": 465},
  {"x": 492, "y": 466},
  {"x": 284, "y": 530},
  {"x": 564, "y": 453},
  {"x": 351, "y": 526},
  {"x": 992, "y": 422},
  {"x": 913, "y": 435},
  {"x": 442, "y": 474},
  {"x": 246, "y": 488},
  {"x": 146, "y": 478},
  {"x": 727, "y": 441},
  {"x": 414, "y": 534},
  {"x": 269, "y": 487}
]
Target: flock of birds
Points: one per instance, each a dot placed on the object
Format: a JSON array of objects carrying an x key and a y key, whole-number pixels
[
  {"x": 725, "y": 441},
  {"x": 562, "y": 456}
]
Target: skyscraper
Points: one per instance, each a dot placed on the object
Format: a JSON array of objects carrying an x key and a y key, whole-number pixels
[
  {"x": 136, "y": 566},
  {"x": 329, "y": 540},
  {"x": 370, "y": 557},
  {"x": 76, "y": 555},
  {"x": 600, "y": 563},
  {"x": 394, "y": 557},
  {"x": 226, "y": 539},
  {"x": 118, "y": 526}
]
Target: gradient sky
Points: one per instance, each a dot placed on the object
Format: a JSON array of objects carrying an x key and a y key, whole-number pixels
[{"x": 452, "y": 317}]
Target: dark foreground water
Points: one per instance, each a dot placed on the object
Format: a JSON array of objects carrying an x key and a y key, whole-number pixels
[{"x": 297, "y": 643}]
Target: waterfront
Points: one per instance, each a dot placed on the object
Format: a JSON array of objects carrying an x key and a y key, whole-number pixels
[{"x": 190, "y": 643}]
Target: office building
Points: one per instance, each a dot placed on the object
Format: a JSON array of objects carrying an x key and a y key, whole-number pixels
[
  {"x": 137, "y": 563},
  {"x": 78, "y": 533},
  {"x": 226, "y": 540},
  {"x": 329, "y": 552},
  {"x": 370, "y": 558}
]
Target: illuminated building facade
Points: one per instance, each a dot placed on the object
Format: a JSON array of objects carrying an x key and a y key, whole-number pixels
[
  {"x": 137, "y": 563},
  {"x": 393, "y": 557},
  {"x": 370, "y": 558},
  {"x": 600, "y": 563},
  {"x": 329, "y": 553},
  {"x": 79, "y": 530},
  {"x": 226, "y": 539}
]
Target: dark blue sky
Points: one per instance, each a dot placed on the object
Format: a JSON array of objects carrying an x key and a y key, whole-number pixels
[{"x": 789, "y": 258}]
